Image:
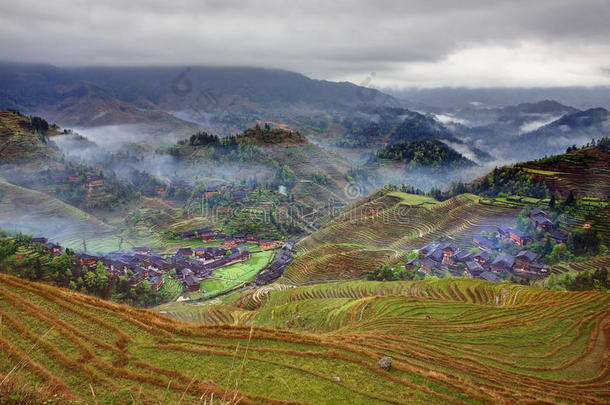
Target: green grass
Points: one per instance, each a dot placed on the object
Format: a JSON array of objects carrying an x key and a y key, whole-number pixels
[
  {"x": 227, "y": 278},
  {"x": 412, "y": 199}
]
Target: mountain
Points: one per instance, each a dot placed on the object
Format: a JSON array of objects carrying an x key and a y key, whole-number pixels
[
  {"x": 445, "y": 98},
  {"x": 571, "y": 129},
  {"x": 233, "y": 96},
  {"x": 266, "y": 154},
  {"x": 428, "y": 154}
]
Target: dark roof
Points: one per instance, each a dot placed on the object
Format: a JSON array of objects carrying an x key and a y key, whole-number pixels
[
  {"x": 555, "y": 234},
  {"x": 141, "y": 248},
  {"x": 192, "y": 281},
  {"x": 484, "y": 242},
  {"x": 542, "y": 219},
  {"x": 503, "y": 228},
  {"x": 239, "y": 235},
  {"x": 266, "y": 240},
  {"x": 436, "y": 255},
  {"x": 463, "y": 256},
  {"x": 185, "y": 250},
  {"x": 187, "y": 272},
  {"x": 489, "y": 276},
  {"x": 519, "y": 233},
  {"x": 482, "y": 256},
  {"x": 428, "y": 248},
  {"x": 427, "y": 262},
  {"x": 413, "y": 261},
  {"x": 536, "y": 211},
  {"x": 40, "y": 240},
  {"x": 156, "y": 280},
  {"x": 527, "y": 255},
  {"x": 505, "y": 261},
  {"x": 450, "y": 246},
  {"x": 474, "y": 267}
]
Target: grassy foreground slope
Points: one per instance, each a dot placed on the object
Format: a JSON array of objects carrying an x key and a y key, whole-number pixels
[{"x": 458, "y": 342}]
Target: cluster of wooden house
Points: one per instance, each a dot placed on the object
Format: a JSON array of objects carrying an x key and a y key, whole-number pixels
[
  {"x": 276, "y": 268},
  {"x": 541, "y": 222},
  {"x": 480, "y": 264},
  {"x": 228, "y": 242}
]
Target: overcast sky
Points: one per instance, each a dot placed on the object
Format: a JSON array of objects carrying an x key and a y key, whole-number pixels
[{"x": 402, "y": 43}]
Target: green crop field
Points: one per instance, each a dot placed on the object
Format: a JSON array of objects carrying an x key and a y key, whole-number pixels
[
  {"x": 227, "y": 278},
  {"x": 452, "y": 341}
]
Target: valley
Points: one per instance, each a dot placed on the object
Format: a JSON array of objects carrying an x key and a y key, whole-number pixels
[{"x": 236, "y": 236}]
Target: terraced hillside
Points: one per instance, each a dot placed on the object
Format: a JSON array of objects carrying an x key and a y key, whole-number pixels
[
  {"x": 29, "y": 211},
  {"x": 20, "y": 144},
  {"x": 390, "y": 220},
  {"x": 452, "y": 341},
  {"x": 586, "y": 172}
]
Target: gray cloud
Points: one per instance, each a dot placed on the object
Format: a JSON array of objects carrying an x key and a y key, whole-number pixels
[{"x": 403, "y": 41}]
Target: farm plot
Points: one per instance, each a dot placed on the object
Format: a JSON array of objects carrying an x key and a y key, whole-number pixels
[{"x": 230, "y": 277}]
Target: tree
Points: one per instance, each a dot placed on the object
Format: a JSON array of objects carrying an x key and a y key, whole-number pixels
[
  {"x": 584, "y": 241},
  {"x": 552, "y": 201},
  {"x": 286, "y": 176},
  {"x": 570, "y": 199}
]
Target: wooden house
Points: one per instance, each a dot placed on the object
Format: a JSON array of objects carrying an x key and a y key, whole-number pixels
[
  {"x": 483, "y": 258},
  {"x": 524, "y": 259},
  {"x": 229, "y": 243},
  {"x": 192, "y": 283},
  {"x": 518, "y": 237},
  {"x": 252, "y": 238},
  {"x": 485, "y": 244},
  {"x": 428, "y": 265},
  {"x": 542, "y": 222},
  {"x": 266, "y": 244},
  {"x": 489, "y": 276},
  {"x": 503, "y": 264},
  {"x": 156, "y": 282},
  {"x": 188, "y": 235},
  {"x": 474, "y": 268},
  {"x": 184, "y": 252},
  {"x": 87, "y": 260},
  {"x": 208, "y": 236},
  {"x": 186, "y": 273}
]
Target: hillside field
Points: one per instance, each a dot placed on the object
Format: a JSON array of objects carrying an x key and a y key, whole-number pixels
[{"x": 452, "y": 341}]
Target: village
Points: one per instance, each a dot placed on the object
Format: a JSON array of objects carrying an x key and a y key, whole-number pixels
[
  {"x": 488, "y": 262},
  {"x": 187, "y": 265}
]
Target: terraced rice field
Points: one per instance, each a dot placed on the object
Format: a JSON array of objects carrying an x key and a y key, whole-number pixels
[
  {"x": 598, "y": 262},
  {"x": 586, "y": 172},
  {"x": 36, "y": 213},
  {"x": 387, "y": 222},
  {"x": 335, "y": 262},
  {"x": 19, "y": 145},
  {"x": 453, "y": 342}
]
